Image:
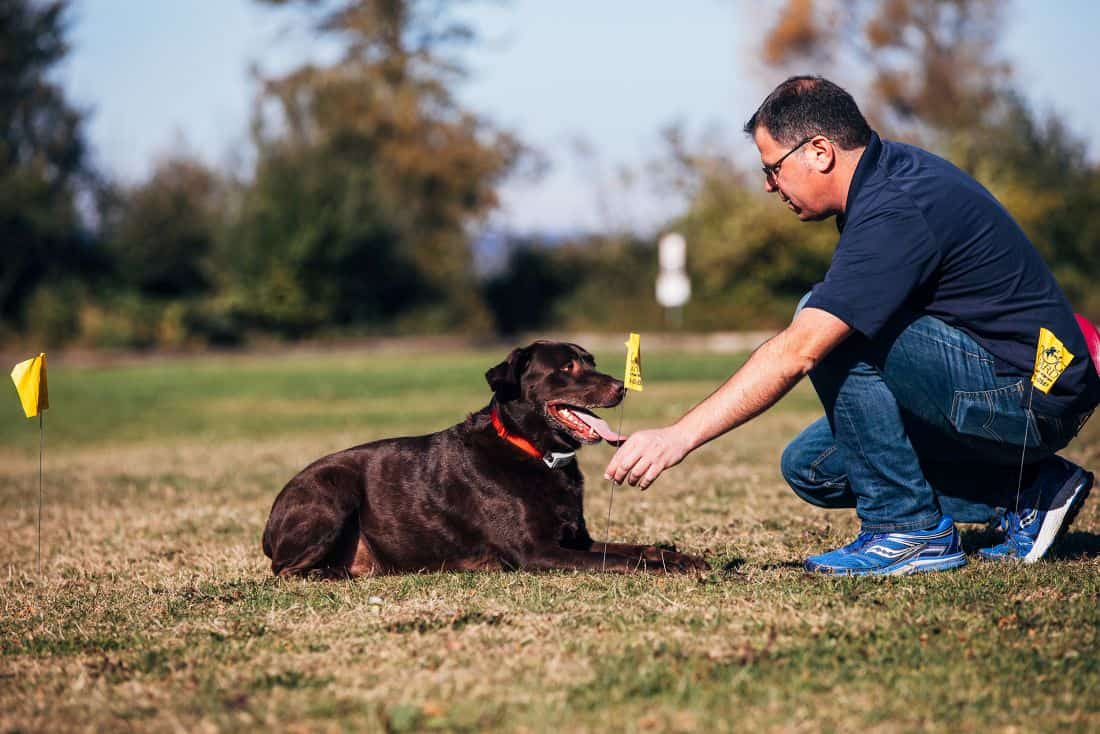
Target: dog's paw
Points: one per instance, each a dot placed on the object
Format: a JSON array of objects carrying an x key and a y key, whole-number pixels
[{"x": 675, "y": 562}]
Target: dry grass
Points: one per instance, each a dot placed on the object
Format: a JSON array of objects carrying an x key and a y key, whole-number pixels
[{"x": 156, "y": 610}]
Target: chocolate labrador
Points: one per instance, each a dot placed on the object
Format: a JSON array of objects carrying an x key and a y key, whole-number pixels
[{"x": 500, "y": 490}]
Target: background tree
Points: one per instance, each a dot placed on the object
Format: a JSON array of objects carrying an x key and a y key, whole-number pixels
[
  {"x": 370, "y": 178},
  {"x": 591, "y": 282},
  {"x": 923, "y": 65},
  {"x": 160, "y": 234},
  {"x": 42, "y": 167}
]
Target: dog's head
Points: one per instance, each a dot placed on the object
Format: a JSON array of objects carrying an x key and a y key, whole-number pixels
[{"x": 557, "y": 383}]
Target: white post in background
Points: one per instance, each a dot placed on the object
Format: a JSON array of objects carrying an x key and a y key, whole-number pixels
[{"x": 673, "y": 286}]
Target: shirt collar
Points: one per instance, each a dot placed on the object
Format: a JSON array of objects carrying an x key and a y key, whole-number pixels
[{"x": 868, "y": 160}]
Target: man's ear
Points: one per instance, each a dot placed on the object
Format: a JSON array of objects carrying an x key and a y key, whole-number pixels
[
  {"x": 504, "y": 378},
  {"x": 824, "y": 155}
]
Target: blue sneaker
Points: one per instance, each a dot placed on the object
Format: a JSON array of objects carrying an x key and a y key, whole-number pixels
[
  {"x": 884, "y": 554},
  {"x": 1048, "y": 508}
]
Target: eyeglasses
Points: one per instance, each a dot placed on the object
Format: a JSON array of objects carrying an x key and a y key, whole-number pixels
[{"x": 771, "y": 172}]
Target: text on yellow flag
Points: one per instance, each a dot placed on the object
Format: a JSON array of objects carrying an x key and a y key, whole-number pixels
[
  {"x": 633, "y": 375},
  {"x": 1051, "y": 360}
]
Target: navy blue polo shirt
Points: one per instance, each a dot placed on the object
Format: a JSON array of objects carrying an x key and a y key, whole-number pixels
[{"x": 918, "y": 235}]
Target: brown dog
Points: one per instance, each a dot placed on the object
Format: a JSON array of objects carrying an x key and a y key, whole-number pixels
[{"x": 500, "y": 490}]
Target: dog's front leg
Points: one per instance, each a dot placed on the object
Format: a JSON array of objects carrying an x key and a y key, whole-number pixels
[
  {"x": 652, "y": 554},
  {"x": 567, "y": 559},
  {"x": 631, "y": 550}
]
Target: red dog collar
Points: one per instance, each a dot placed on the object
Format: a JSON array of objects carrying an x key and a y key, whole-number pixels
[{"x": 552, "y": 459}]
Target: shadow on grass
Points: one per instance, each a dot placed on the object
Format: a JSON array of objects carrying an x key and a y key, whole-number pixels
[
  {"x": 780, "y": 565},
  {"x": 1075, "y": 546},
  {"x": 735, "y": 565},
  {"x": 980, "y": 537}
]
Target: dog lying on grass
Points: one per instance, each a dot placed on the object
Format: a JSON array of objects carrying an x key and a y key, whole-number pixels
[{"x": 500, "y": 490}]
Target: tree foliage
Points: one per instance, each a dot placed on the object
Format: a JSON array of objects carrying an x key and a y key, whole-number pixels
[
  {"x": 594, "y": 282},
  {"x": 42, "y": 158},
  {"x": 370, "y": 176},
  {"x": 370, "y": 181},
  {"x": 924, "y": 64},
  {"x": 160, "y": 234}
]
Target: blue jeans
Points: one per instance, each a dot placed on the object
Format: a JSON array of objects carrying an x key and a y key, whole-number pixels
[{"x": 917, "y": 424}]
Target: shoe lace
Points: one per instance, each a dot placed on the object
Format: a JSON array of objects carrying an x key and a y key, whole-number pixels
[
  {"x": 1014, "y": 523},
  {"x": 861, "y": 541}
]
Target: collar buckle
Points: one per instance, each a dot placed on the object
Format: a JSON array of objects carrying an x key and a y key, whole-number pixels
[{"x": 556, "y": 460}]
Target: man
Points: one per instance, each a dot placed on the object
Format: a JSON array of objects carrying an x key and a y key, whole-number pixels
[{"x": 920, "y": 342}]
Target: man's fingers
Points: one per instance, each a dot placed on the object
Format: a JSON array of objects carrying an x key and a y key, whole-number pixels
[
  {"x": 637, "y": 472},
  {"x": 639, "y": 461},
  {"x": 650, "y": 477},
  {"x": 621, "y": 463}
]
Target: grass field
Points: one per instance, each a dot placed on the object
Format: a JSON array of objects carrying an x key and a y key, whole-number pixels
[{"x": 156, "y": 610}]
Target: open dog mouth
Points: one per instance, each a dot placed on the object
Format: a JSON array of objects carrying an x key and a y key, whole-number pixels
[{"x": 586, "y": 426}]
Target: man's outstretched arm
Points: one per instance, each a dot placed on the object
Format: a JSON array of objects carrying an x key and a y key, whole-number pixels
[{"x": 772, "y": 370}]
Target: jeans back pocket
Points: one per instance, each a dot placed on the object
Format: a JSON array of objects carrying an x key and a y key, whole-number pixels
[{"x": 995, "y": 415}]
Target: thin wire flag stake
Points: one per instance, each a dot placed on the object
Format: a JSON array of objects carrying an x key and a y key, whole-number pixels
[
  {"x": 30, "y": 382},
  {"x": 632, "y": 380},
  {"x": 41, "y": 451}
]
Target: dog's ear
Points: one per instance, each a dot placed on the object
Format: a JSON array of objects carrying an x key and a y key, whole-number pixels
[{"x": 504, "y": 378}]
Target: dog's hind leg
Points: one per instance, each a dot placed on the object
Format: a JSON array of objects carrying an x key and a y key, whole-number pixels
[
  {"x": 309, "y": 537},
  {"x": 364, "y": 562}
]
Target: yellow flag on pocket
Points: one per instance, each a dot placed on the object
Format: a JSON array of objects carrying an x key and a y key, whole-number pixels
[
  {"x": 30, "y": 382},
  {"x": 633, "y": 374},
  {"x": 1051, "y": 360}
]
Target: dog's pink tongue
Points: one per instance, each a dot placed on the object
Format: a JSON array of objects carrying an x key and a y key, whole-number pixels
[{"x": 599, "y": 425}]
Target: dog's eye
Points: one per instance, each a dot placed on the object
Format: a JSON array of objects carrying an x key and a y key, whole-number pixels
[{"x": 567, "y": 367}]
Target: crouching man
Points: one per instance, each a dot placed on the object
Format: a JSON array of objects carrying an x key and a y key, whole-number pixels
[{"x": 921, "y": 342}]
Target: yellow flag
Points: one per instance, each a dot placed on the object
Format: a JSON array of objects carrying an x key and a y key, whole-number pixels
[
  {"x": 633, "y": 375},
  {"x": 30, "y": 382},
  {"x": 1051, "y": 360}
]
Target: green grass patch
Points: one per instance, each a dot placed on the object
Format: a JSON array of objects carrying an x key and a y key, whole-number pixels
[{"x": 156, "y": 609}]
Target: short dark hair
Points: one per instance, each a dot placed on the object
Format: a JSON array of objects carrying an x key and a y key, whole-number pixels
[{"x": 811, "y": 105}]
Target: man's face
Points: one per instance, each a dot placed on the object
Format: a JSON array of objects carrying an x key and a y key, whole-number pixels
[{"x": 802, "y": 178}]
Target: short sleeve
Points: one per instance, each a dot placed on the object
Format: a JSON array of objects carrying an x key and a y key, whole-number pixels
[{"x": 880, "y": 260}]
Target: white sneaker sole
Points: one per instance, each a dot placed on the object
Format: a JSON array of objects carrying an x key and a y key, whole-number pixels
[{"x": 1057, "y": 522}]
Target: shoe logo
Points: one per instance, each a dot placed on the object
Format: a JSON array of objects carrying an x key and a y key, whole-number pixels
[{"x": 885, "y": 551}]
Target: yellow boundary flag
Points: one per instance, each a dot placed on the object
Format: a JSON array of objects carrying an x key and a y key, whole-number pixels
[
  {"x": 633, "y": 375},
  {"x": 1051, "y": 360},
  {"x": 30, "y": 382}
]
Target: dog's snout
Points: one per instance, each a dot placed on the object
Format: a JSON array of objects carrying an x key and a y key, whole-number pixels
[{"x": 618, "y": 390}]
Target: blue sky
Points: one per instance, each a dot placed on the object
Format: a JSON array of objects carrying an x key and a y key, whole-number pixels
[{"x": 161, "y": 76}]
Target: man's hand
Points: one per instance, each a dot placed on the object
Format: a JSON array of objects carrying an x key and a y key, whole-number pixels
[
  {"x": 646, "y": 454},
  {"x": 770, "y": 372}
]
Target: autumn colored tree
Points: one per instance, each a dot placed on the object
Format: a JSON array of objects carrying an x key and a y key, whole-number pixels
[
  {"x": 370, "y": 176},
  {"x": 923, "y": 64}
]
